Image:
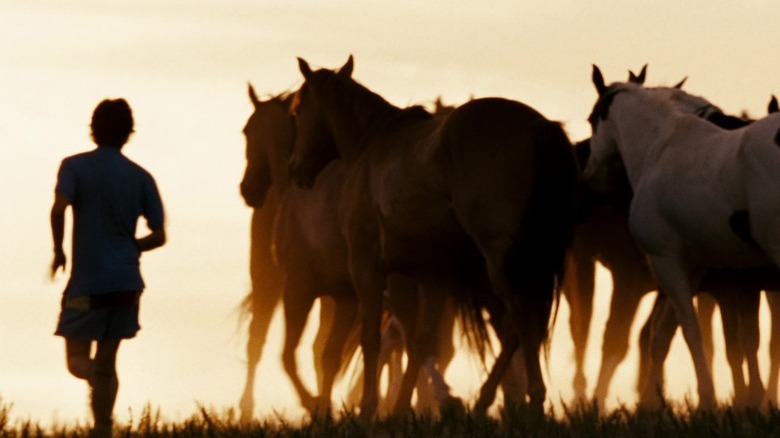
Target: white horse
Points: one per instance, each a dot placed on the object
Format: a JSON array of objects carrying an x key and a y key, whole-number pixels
[
  {"x": 600, "y": 237},
  {"x": 704, "y": 197}
]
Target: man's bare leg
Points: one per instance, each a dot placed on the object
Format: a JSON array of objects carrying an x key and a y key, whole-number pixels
[{"x": 100, "y": 373}]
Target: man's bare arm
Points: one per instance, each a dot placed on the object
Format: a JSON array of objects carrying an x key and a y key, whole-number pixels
[
  {"x": 154, "y": 240},
  {"x": 57, "y": 218}
]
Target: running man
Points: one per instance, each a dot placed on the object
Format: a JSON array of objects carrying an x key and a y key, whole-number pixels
[{"x": 108, "y": 193}]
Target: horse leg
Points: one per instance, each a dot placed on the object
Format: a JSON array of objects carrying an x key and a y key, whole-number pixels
[
  {"x": 645, "y": 339},
  {"x": 262, "y": 313},
  {"x": 773, "y": 301},
  {"x": 297, "y": 302},
  {"x": 371, "y": 314},
  {"x": 730, "y": 315},
  {"x": 514, "y": 384},
  {"x": 391, "y": 355},
  {"x": 369, "y": 285},
  {"x": 510, "y": 344},
  {"x": 266, "y": 292},
  {"x": 526, "y": 286},
  {"x": 678, "y": 283},
  {"x": 344, "y": 313},
  {"x": 705, "y": 308},
  {"x": 749, "y": 333},
  {"x": 327, "y": 312},
  {"x": 663, "y": 326},
  {"x": 421, "y": 340},
  {"x": 623, "y": 306},
  {"x": 578, "y": 289},
  {"x": 405, "y": 304},
  {"x": 432, "y": 389}
]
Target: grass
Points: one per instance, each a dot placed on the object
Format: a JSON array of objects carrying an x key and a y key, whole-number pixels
[{"x": 518, "y": 421}]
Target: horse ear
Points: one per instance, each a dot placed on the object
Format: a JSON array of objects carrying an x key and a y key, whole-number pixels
[
  {"x": 253, "y": 95},
  {"x": 346, "y": 69},
  {"x": 680, "y": 84},
  {"x": 640, "y": 78},
  {"x": 303, "y": 66},
  {"x": 773, "y": 107},
  {"x": 598, "y": 80}
]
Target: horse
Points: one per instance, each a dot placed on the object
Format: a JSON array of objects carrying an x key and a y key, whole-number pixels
[
  {"x": 700, "y": 196},
  {"x": 266, "y": 277},
  {"x": 485, "y": 196},
  {"x": 605, "y": 236},
  {"x": 739, "y": 313},
  {"x": 309, "y": 255},
  {"x": 595, "y": 240}
]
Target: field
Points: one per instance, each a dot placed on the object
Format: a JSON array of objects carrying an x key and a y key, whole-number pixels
[{"x": 519, "y": 421}]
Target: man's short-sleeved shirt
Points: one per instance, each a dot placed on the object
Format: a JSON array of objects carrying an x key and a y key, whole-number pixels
[{"x": 108, "y": 194}]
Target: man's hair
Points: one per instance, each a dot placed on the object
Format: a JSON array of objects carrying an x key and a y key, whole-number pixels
[{"x": 112, "y": 123}]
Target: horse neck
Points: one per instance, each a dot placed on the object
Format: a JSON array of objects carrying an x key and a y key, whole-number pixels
[
  {"x": 280, "y": 175},
  {"x": 642, "y": 126},
  {"x": 281, "y": 139},
  {"x": 358, "y": 115}
]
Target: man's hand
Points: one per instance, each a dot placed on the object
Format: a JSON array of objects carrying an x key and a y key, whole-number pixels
[
  {"x": 59, "y": 262},
  {"x": 61, "y": 203}
]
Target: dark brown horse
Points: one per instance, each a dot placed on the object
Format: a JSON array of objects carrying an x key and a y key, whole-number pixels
[
  {"x": 311, "y": 257},
  {"x": 308, "y": 252},
  {"x": 485, "y": 196}
]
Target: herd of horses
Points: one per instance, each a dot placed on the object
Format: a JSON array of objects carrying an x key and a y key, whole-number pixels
[{"x": 404, "y": 222}]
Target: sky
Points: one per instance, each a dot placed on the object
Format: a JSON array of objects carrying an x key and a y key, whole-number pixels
[{"x": 184, "y": 67}]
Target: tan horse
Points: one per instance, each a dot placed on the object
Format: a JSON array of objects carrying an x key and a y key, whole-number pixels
[
  {"x": 267, "y": 279},
  {"x": 486, "y": 196}
]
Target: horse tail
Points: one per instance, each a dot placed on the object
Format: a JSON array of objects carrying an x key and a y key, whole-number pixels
[
  {"x": 538, "y": 253},
  {"x": 244, "y": 308},
  {"x": 468, "y": 312}
]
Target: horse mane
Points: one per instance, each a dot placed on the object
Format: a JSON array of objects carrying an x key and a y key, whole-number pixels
[
  {"x": 412, "y": 114},
  {"x": 657, "y": 102},
  {"x": 601, "y": 108}
]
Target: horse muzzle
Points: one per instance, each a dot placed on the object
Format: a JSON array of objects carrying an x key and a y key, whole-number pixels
[
  {"x": 252, "y": 196},
  {"x": 301, "y": 172}
]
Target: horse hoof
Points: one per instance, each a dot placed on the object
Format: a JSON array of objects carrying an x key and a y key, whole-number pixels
[
  {"x": 453, "y": 407},
  {"x": 318, "y": 407},
  {"x": 367, "y": 413},
  {"x": 480, "y": 409},
  {"x": 247, "y": 408}
]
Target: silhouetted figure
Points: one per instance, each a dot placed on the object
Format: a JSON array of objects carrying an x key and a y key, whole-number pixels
[{"x": 108, "y": 194}]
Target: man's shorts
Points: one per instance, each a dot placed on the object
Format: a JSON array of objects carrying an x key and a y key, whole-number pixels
[{"x": 96, "y": 317}]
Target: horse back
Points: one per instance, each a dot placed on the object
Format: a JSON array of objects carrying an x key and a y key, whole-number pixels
[{"x": 511, "y": 169}]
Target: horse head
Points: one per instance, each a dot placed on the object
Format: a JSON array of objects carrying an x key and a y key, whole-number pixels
[
  {"x": 269, "y": 134},
  {"x": 603, "y": 146},
  {"x": 610, "y": 180},
  {"x": 314, "y": 145}
]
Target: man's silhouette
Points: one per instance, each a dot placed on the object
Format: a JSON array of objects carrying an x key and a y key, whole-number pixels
[{"x": 108, "y": 194}]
